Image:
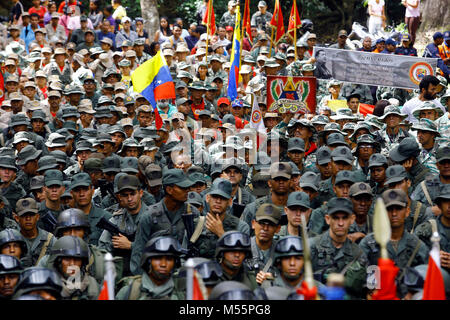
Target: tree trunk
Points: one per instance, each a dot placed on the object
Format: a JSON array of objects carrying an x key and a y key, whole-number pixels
[
  {"x": 151, "y": 17},
  {"x": 435, "y": 14}
]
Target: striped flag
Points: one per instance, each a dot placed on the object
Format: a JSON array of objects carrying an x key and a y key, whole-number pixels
[
  {"x": 433, "y": 288},
  {"x": 233, "y": 77}
]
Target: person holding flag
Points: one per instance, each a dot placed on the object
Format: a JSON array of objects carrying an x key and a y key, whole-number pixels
[{"x": 153, "y": 81}]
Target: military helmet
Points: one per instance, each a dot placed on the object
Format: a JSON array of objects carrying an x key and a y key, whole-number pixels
[
  {"x": 209, "y": 270},
  {"x": 12, "y": 235},
  {"x": 272, "y": 293},
  {"x": 38, "y": 278},
  {"x": 30, "y": 297},
  {"x": 71, "y": 218},
  {"x": 231, "y": 290},
  {"x": 233, "y": 241},
  {"x": 160, "y": 246},
  {"x": 69, "y": 246},
  {"x": 288, "y": 246},
  {"x": 9, "y": 264}
]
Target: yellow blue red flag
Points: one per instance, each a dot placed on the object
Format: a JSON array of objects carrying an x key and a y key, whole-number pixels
[{"x": 235, "y": 59}]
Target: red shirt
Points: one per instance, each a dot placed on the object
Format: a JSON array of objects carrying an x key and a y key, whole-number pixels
[
  {"x": 240, "y": 123},
  {"x": 41, "y": 12},
  {"x": 196, "y": 108}
]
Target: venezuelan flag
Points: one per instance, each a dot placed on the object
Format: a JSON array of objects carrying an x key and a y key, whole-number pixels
[
  {"x": 152, "y": 79},
  {"x": 235, "y": 59}
]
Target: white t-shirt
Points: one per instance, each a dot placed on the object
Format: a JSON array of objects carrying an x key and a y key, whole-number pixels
[
  {"x": 411, "y": 105},
  {"x": 377, "y": 8},
  {"x": 410, "y": 11}
]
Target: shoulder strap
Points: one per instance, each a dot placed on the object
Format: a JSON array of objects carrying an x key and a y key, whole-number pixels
[
  {"x": 425, "y": 191},
  {"x": 135, "y": 289},
  {"x": 344, "y": 270},
  {"x": 411, "y": 259},
  {"x": 44, "y": 247},
  {"x": 198, "y": 229}
]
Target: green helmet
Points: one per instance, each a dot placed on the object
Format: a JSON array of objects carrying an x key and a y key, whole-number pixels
[
  {"x": 71, "y": 218},
  {"x": 233, "y": 241},
  {"x": 209, "y": 270},
  {"x": 9, "y": 264},
  {"x": 68, "y": 246},
  {"x": 288, "y": 246},
  {"x": 160, "y": 246},
  {"x": 37, "y": 278},
  {"x": 12, "y": 235},
  {"x": 231, "y": 290}
]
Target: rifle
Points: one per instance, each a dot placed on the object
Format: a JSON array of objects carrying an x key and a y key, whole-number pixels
[
  {"x": 188, "y": 221},
  {"x": 113, "y": 229},
  {"x": 107, "y": 188}
]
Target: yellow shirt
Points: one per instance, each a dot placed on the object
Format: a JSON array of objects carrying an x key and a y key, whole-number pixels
[{"x": 119, "y": 13}]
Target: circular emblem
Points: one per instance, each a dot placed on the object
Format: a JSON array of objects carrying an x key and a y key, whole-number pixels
[
  {"x": 325, "y": 153},
  {"x": 25, "y": 203},
  {"x": 281, "y": 167},
  {"x": 256, "y": 116},
  {"x": 268, "y": 210},
  {"x": 362, "y": 186},
  {"x": 392, "y": 195},
  {"x": 343, "y": 151},
  {"x": 345, "y": 174},
  {"x": 299, "y": 197},
  {"x": 191, "y": 195},
  {"x": 418, "y": 71}
]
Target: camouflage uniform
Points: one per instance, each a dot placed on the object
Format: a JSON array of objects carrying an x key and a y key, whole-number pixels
[
  {"x": 387, "y": 143},
  {"x": 433, "y": 184},
  {"x": 140, "y": 60},
  {"x": 260, "y": 20},
  {"x": 43, "y": 242},
  {"x": 148, "y": 290},
  {"x": 428, "y": 158},
  {"x": 228, "y": 19},
  {"x": 424, "y": 232},
  {"x": 65, "y": 75}
]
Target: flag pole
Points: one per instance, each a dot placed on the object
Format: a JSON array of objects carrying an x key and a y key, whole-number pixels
[
  {"x": 295, "y": 28},
  {"x": 242, "y": 33},
  {"x": 271, "y": 43},
  {"x": 207, "y": 28},
  {"x": 110, "y": 274},
  {"x": 189, "y": 279}
]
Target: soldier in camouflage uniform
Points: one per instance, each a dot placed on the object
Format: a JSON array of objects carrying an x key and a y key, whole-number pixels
[
  {"x": 443, "y": 123},
  {"x": 298, "y": 204},
  {"x": 403, "y": 246},
  {"x": 332, "y": 251},
  {"x": 391, "y": 135},
  {"x": 160, "y": 259},
  {"x": 428, "y": 190},
  {"x": 53, "y": 68},
  {"x": 10, "y": 189},
  {"x": 262, "y": 17},
  {"x": 426, "y": 135},
  {"x": 377, "y": 168},
  {"x": 424, "y": 230},
  {"x": 27, "y": 159},
  {"x": 229, "y": 17},
  {"x": 362, "y": 198},
  {"x": 141, "y": 56},
  {"x": 295, "y": 68}
]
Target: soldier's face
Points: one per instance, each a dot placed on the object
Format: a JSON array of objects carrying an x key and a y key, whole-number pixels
[
  {"x": 70, "y": 266},
  {"x": 425, "y": 137},
  {"x": 54, "y": 193},
  {"x": 39, "y": 194},
  {"x": 82, "y": 195},
  {"x": 76, "y": 232},
  {"x": 340, "y": 166},
  {"x": 294, "y": 214},
  {"x": 218, "y": 204},
  {"x": 339, "y": 223},
  {"x": 279, "y": 185},
  {"x": 444, "y": 205},
  {"x": 292, "y": 266},
  {"x": 162, "y": 266},
  {"x": 265, "y": 230},
  {"x": 392, "y": 120},
  {"x": 12, "y": 249},
  {"x": 233, "y": 175},
  {"x": 402, "y": 185},
  {"x": 7, "y": 174},
  {"x": 428, "y": 114},
  {"x": 28, "y": 221},
  {"x": 378, "y": 174},
  {"x": 198, "y": 187},
  {"x": 443, "y": 167},
  {"x": 38, "y": 125},
  {"x": 8, "y": 283},
  {"x": 342, "y": 189},
  {"x": 326, "y": 170},
  {"x": 397, "y": 215},
  {"x": 131, "y": 198},
  {"x": 361, "y": 204},
  {"x": 296, "y": 156},
  {"x": 234, "y": 258},
  {"x": 177, "y": 193}
]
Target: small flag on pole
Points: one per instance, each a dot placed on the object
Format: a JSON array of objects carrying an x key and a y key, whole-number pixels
[
  {"x": 433, "y": 287},
  {"x": 211, "y": 23},
  {"x": 277, "y": 22},
  {"x": 294, "y": 20}
]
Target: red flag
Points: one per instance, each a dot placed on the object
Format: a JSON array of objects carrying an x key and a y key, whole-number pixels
[
  {"x": 388, "y": 289},
  {"x": 294, "y": 20},
  {"x": 366, "y": 108},
  {"x": 433, "y": 288},
  {"x": 212, "y": 19},
  {"x": 246, "y": 21},
  {"x": 277, "y": 22},
  {"x": 104, "y": 293},
  {"x": 199, "y": 290}
]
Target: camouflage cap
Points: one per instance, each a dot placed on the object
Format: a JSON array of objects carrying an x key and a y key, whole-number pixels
[
  {"x": 444, "y": 193},
  {"x": 310, "y": 180},
  {"x": 46, "y": 163},
  {"x": 395, "y": 174},
  {"x": 366, "y": 139},
  {"x": 260, "y": 184},
  {"x": 270, "y": 212},
  {"x": 427, "y": 105},
  {"x": 323, "y": 155},
  {"x": 308, "y": 67},
  {"x": 8, "y": 163},
  {"x": 359, "y": 188},
  {"x": 81, "y": 179},
  {"x": 129, "y": 165},
  {"x": 39, "y": 114},
  {"x": 394, "y": 197},
  {"x": 176, "y": 177},
  {"x": 93, "y": 164},
  {"x": 19, "y": 119},
  {"x": 377, "y": 160},
  {"x": 233, "y": 163},
  {"x": 126, "y": 182},
  {"x": 296, "y": 144},
  {"x": 36, "y": 183},
  {"x": 280, "y": 169},
  {"x": 342, "y": 153},
  {"x": 344, "y": 176},
  {"x": 406, "y": 149},
  {"x": 221, "y": 187},
  {"x": 22, "y": 136},
  {"x": 392, "y": 110},
  {"x": 320, "y": 119},
  {"x": 111, "y": 164},
  {"x": 56, "y": 140},
  {"x": 153, "y": 174},
  {"x": 343, "y": 114},
  {"x": 195, "y": 198},
  {"x": 124, "y": 63},
  {"x": 443, "y": 153},
  {"x": 336, "y": 139},
  {"x": 426, "y": 125},
  {"x": 298, "y": 198},
  {"x": 271, "y": 63},
  {"x": 53, "y": 177},
  {"x": 339, "y": 205},
  {"x": 28, "y": 153},
  {"x": 26, "y": 205}
]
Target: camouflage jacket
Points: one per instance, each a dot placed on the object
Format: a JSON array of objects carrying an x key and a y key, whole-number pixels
[
  {"x": 424, "y": 232},
  {"x": 432, "y": 185}
]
